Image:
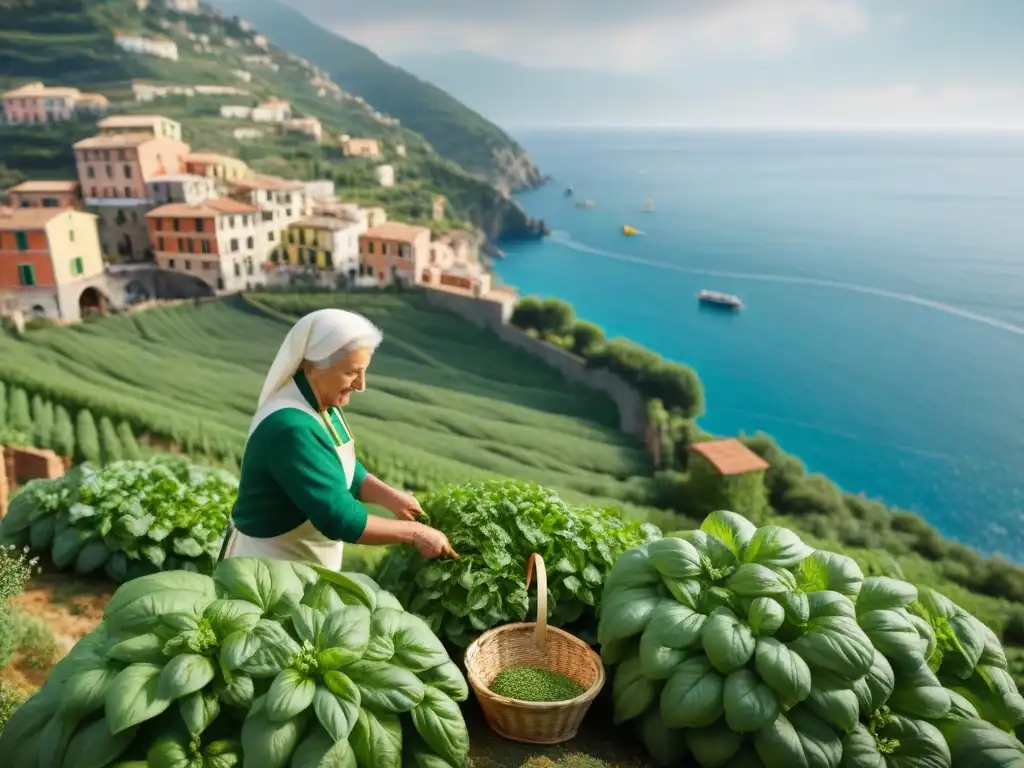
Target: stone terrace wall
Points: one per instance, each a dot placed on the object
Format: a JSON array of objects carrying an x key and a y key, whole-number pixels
[
  {"x": 494, "y": 314},
  {"x": 19, "y": 465}
]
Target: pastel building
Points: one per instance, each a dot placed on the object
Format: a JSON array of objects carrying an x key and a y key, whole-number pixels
[
  {"x": 223, "y": 169},
  {"x": 113, "y": 171},
  {"x": 360, "y": 147},
  {"x": 393, "y": 253},
  {"x": 213, "y": 241},
  {"x": 159, "y": 46},
  {"x": 329, "y": 243},
  {"x": 157, "y": 126},
  {"x": 280, "y": 202},
  {"x": 180, "y": 188},
  {"x": 309, "y": 126},
  {"x": 271, "y": 111},
  {"x": 48, "y": 256},
  {"x": 38, "y": 103},
  {"x": 386, "y": 175},
  {"x": 45, "y": 194}
]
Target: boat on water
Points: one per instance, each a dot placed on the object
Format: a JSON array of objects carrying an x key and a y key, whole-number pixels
[
  {"x": 648, "y": 205},
  {"x": 568, "y": 191},
  {"x": 716, "y": 299},
  {"x": 586, "y": 204},
  {"x": 629, "y": 231}
]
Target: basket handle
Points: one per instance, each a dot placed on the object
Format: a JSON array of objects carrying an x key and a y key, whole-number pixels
[{"x": 541, "y": 634}]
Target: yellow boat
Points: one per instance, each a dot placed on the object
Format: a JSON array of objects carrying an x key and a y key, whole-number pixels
[{"x": 628, "y": 231}]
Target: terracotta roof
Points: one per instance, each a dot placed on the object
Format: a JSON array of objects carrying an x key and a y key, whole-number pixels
[
  {"x": 38, "y": 89},
  {"x": 214, "y": 207},
  {"x": 261, "y": 181},
  {"x": 27, "y": 218},
  {"x": 114, "y": 141},
  {"x": 324, "y": 222},
  {"x": 129, "y": 121},
  {"x": 730, "y": 456},
  {"x": 46, "y": 186},
  {"x": 394, "y": 230}
]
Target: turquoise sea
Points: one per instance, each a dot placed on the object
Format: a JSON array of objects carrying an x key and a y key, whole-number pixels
[{"x": 883, "y": 276}]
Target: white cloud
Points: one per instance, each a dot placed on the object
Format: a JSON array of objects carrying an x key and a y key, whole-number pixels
[{"x": 639, "y": 37}]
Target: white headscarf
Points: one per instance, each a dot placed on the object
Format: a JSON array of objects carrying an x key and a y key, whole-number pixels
[{"x": 316, "y": 337}]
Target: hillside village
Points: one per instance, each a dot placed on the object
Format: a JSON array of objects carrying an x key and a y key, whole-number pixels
[{"x": 144, "y": 198}]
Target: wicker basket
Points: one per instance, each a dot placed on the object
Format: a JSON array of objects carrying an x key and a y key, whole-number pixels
[{"x": 534, "y": 644}]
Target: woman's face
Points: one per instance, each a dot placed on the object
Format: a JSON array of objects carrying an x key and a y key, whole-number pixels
[{"x": 334, "y": 385}]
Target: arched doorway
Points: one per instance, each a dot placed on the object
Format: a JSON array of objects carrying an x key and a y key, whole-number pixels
[
  {"x": 92, "y": 302},
  {"x": 39, "y": 311},
  {"x": 135, "y": 292}
]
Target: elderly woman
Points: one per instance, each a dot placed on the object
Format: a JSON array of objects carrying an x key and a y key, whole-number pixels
[{"x": 302, "y": 490}]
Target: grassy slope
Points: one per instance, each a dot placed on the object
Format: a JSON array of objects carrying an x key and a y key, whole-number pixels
[
  {"x": 446, "y": 401},
  {"x": 453, "y": 129}
]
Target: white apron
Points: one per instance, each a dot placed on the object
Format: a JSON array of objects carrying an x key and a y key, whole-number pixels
[{"x": 305, "y": 543}]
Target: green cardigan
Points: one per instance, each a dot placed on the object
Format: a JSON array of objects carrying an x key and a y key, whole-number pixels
[{"x": 291, "y": 474}]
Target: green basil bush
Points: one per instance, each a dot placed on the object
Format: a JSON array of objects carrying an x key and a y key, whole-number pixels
[
  {"x": 267, "y": 664},
  {"x": 743, "y": 647},
  {"x": 129, "y": 518},
  {"x": 495, "y": 526}
]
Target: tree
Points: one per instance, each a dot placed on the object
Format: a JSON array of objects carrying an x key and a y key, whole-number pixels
[
  {"x": 556, "y": 316},
  {"x": 20, "y": 415},
  {"x": 88, "y": 439},
  {"x": 129, "y": 445},
  {"x": 63, "y": 432},
  {"x": 527, "y": 313},
  {"x": 110, "y": 444},
  {"x": 42, "y": 417},
  {"x": 586, "y": 337},
  {"x": 3, "y": 404}
]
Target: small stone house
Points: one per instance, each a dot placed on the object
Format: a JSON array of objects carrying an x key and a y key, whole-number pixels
[{"x": 725, "y": 474}]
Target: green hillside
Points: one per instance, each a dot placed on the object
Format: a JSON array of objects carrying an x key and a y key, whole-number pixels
[
  {"x": 70, "y": 42},
  {"x": 453, "y": 129},
  {"x": 446, "y": 401}
]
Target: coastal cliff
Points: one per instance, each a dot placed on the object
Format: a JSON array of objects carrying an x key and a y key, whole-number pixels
[
  {"x": 491, "y": 209},
  {"x": 515, "y": 169}
]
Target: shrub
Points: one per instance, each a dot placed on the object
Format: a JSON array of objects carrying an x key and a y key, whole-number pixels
[
  {"x": 3, "y": 405},
  {"x": 110, "y": 443},
  {"x": 268, "y": 663},
  {"x": 63, "y": 432},
  {"x": 42, "y": 422},
  {"x": 127, "y": 519},
  {"x": 556, "y": 317},
  {"x": 586, "y": 337},
  {"x": 495, "y": 527},
  {"x": 743, "y": 646},
  {"x": 129, "y": 445},
  {"x": 527, "y": 313},
  {"x": 87, "y": 438},
  {"x": 20, "y": 415}
]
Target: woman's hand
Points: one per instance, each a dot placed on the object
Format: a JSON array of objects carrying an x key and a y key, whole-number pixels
[
  {"x": 431, "y": 543},
  {"x": 403, "y": 505}
]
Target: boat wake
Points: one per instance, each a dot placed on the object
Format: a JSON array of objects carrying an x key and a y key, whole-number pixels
[{"x": 564, "y": 238}]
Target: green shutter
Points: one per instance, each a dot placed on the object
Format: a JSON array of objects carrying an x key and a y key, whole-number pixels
[
  {"x": 77, "y": 267},
  {"x": 26, "y": 274},
  {"x": 22, "y": 239}
]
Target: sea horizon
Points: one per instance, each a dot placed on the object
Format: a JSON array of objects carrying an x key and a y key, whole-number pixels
[{"x": 884, "y": 292}]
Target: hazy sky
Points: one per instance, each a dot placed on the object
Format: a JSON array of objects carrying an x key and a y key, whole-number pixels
[{"x": 814, "y": 62}]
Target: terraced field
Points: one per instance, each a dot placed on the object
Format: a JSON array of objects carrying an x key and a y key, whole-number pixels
[{"x": 446, "y": 401}]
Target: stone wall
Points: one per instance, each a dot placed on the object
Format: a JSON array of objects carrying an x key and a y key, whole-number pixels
[
  {"x": 493, "y": 311},
  {"x": 19, "y": 465}
]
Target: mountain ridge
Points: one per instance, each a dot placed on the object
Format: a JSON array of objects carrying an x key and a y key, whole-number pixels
[{"x": 454, "y": 130}]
